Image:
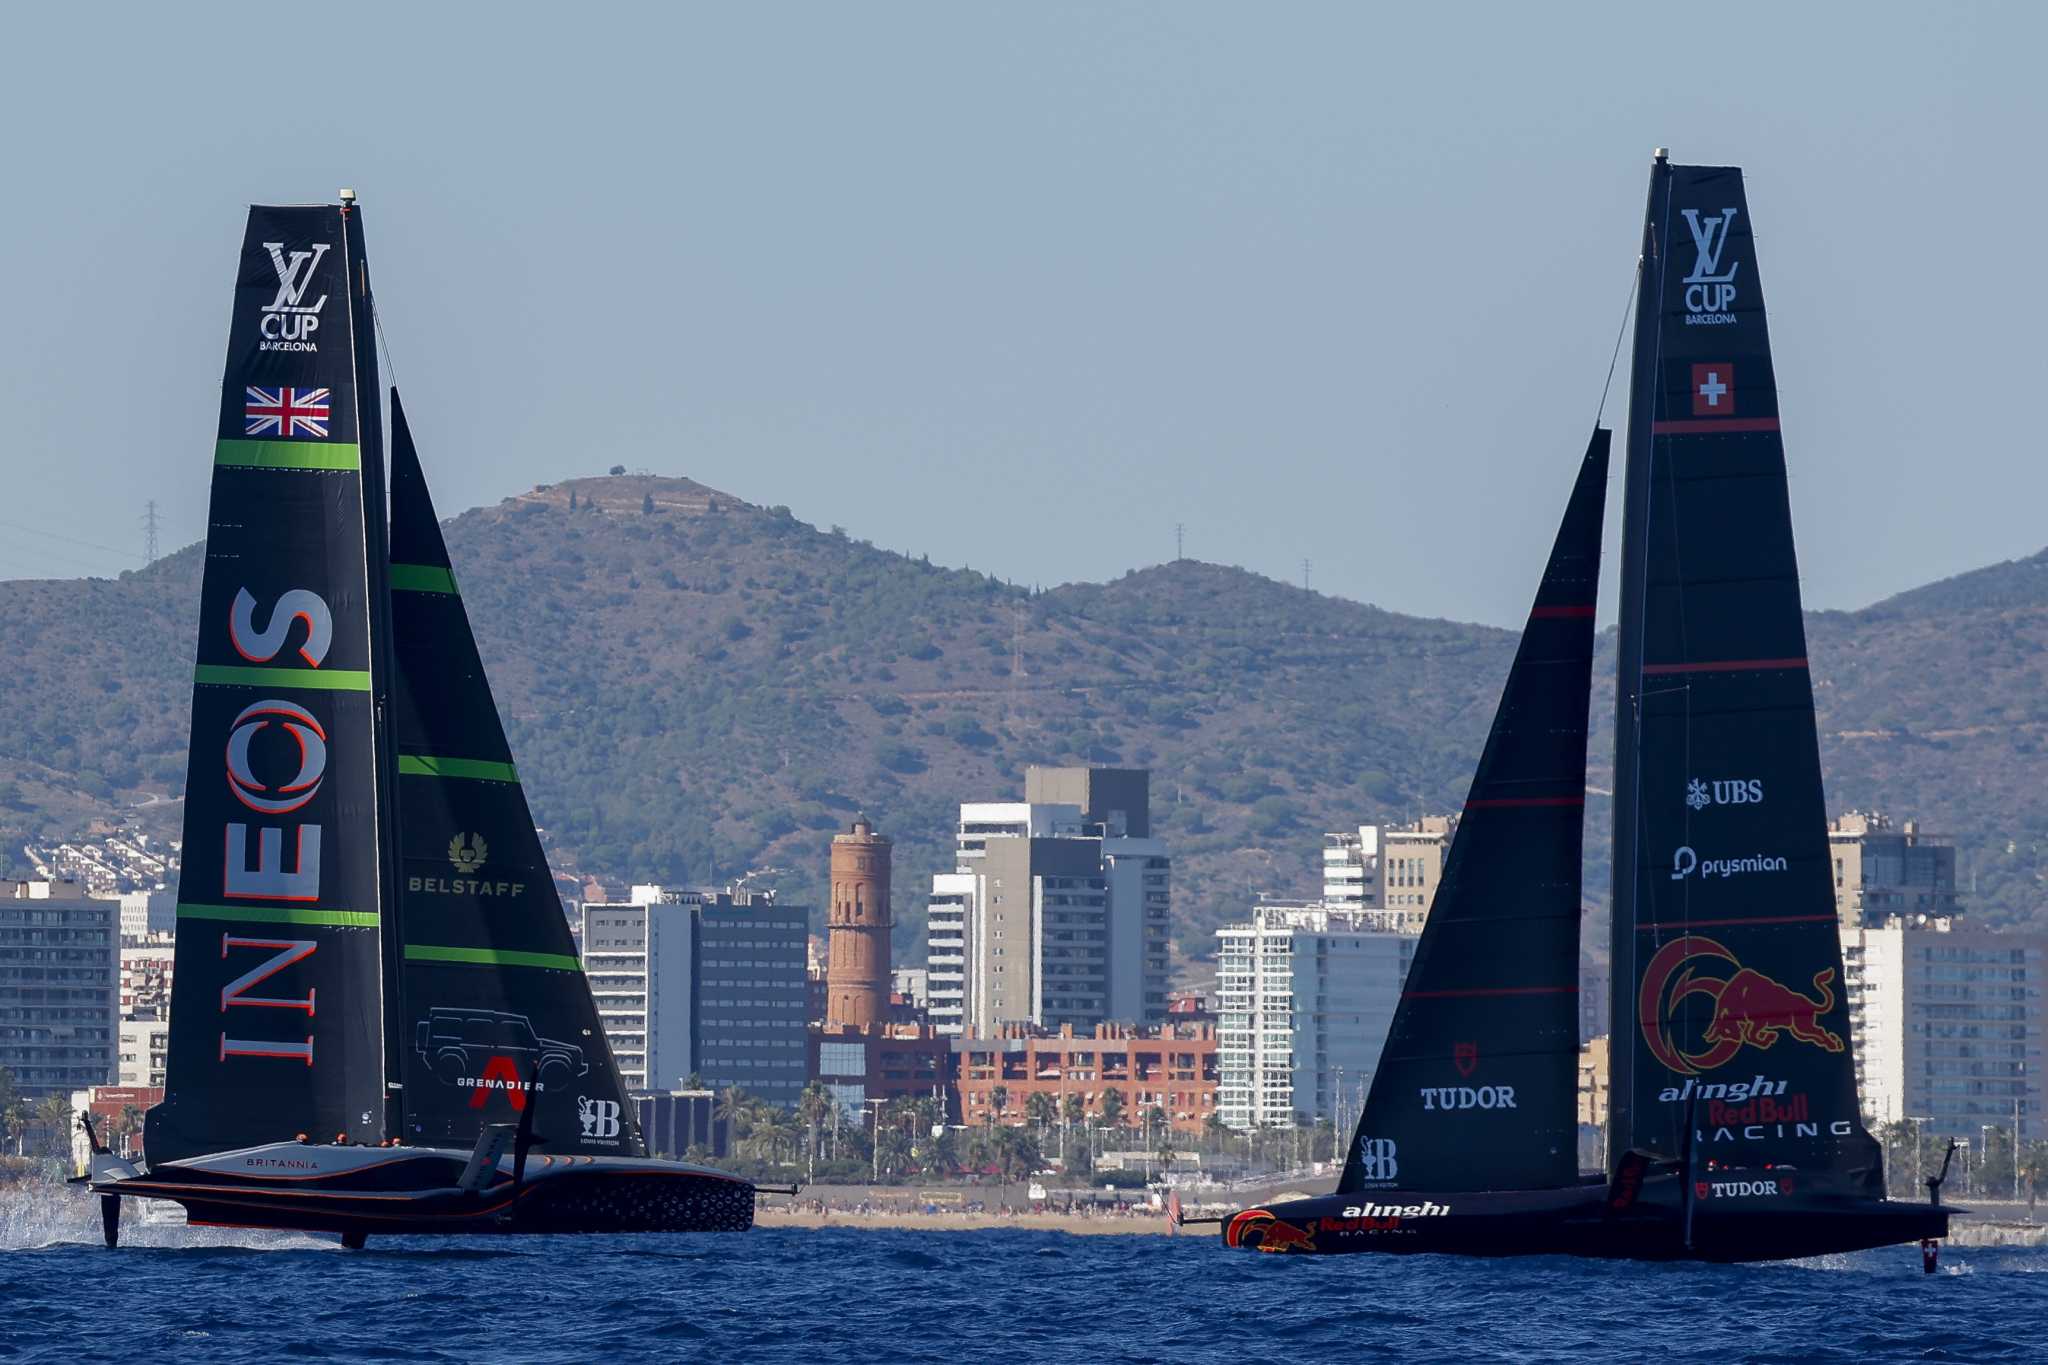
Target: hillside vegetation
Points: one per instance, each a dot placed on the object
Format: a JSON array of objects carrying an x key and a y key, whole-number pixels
[{"x": 697, "y": 687}]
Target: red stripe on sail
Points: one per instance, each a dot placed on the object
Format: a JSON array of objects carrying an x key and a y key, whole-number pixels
[
  {"x": 1541, "y": 613},
  {"x": 1501, "y": 802},
  {"x": 1728, "y": 923},
  {"x": 1722, "y": 666},
  {"x": 1712, "y": 424},
  {"x": 1489, "y": 990}
]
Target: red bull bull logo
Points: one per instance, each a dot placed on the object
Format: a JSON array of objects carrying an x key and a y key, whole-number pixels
[
  {"x": 1260, "y": 1230},
  {"x": 1749, "y": 1009}
]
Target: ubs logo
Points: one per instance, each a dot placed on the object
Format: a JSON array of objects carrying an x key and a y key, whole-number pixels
[
  {"x": 288, "y": 322},
  {"x": 1710, "y": 290},
  {"x": 1740, "y": 791}
]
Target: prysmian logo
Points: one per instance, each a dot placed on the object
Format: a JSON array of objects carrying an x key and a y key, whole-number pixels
[
  {"x": 1737, "y": 791},
  {"x": 1684, "y": 862},
  {"x": 288, "y": 322},
  {"x": 1467, "y": 1097},
  {"x": 1376, "y": 1158},
  {"x": 1710, "y": 290}
]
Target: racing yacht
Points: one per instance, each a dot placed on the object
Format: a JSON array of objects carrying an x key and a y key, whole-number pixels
[
  {"x": 1735, "y": 1131},
  {"x": 379, "y": 1021}
]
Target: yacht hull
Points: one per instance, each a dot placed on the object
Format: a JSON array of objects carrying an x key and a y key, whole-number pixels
[
  {"x": 1579, "y": 1222},
  {"x": 361, "y": 1191}
]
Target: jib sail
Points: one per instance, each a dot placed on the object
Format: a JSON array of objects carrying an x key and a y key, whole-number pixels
[
  {"x": 495, "y": 1013},
  {"x": 1729, "y": 998},
  {"x": 1477, "y": 1086},
  {"x": 276, "y": 1018}
]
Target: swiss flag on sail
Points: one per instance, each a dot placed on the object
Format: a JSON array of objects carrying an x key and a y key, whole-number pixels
[{"x": 1713, "y": 389}]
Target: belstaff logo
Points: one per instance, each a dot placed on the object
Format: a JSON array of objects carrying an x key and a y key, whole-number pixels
[
  {"x": 1749, "y": 1008},
  {"x": 288, "y": 321},
  {"x": 1710, "y": 290},
  {"x": 466, "y": 852}
]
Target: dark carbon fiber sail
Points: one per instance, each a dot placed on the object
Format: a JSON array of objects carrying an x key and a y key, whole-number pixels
[
  {"x": 277, "y": 1006},
  {"x": 1729, "y": 997},
  {"x": 1477, "y": 1085},
  {"x": 495, "y": 1012}
]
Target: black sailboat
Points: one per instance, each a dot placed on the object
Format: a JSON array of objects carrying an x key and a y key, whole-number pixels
[
  {"x": 379, "y": 1023},
  {"x": 1735, "y": 1131}
]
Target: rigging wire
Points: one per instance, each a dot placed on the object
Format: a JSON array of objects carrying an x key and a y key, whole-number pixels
[{"x": 1628, "y": 307}]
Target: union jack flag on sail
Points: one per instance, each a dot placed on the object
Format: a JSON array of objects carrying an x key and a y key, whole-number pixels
[{"x": 286, "y": 412}]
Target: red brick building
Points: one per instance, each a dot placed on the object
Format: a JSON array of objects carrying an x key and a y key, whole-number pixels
[
  {"x": 1173, "y": 1069},
  {"x": 889, "y": 1061}
]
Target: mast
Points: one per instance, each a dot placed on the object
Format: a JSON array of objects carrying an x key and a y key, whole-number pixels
[
  {"x": 377, "y": 555},
  {"x": 1628, "y": 666},
  {"x": 1476, "y": 1088}
]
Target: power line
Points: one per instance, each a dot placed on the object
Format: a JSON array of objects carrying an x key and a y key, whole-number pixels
[{"x": 69, "y": 540}]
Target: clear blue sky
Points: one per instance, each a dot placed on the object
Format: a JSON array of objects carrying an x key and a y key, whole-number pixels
[{"x": 1021, "y": 287}]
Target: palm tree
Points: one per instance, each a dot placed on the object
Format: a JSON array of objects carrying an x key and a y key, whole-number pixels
[
  {"x": 1113, "y": 1107},
  {"x": 54, "y": 1113},
  {"x": 813, "y": 1106},
  {"x": 1073, "y": 1113},
  {"x": 998, "y": 1101},
  {"x": 1039, "y": 1112},
  {"x": 128, "y": 1130}
]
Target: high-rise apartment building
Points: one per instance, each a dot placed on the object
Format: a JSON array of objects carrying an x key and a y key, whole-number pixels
[
  {"x": 1305, "y": 996},
  {"x": 1058, "y": 910},
  {"x": 1385, "y": 868},
  {"x": 704, "y": 982},
  {"x": 1882, "y": 871},
  {"x": 59, "y": 987},
  {"x": 1949, "y": 1025}
]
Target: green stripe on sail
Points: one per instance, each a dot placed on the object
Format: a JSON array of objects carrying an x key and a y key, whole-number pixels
[
  {"x": 427, "y": 765},
  {"x": 280, "y": 914},
  {"x": 491, "y": 957},
  {"x": 422, "y": 578},
  {"x": 288, "y": 454},
  {"x": 308, "y": 679}
]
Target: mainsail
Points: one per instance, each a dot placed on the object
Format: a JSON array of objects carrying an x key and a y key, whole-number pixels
[
  {"x": 495, "y": 1012},
  {"x": 276, "y": 1020},
  {"x": 1729, "y": 999},
  {"x": 1476, "y": 1087}
]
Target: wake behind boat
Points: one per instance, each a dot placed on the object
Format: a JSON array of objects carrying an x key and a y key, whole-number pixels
[
  {"x": 1735, "y": 1130},
  {"x": 379, "y": 1023}
]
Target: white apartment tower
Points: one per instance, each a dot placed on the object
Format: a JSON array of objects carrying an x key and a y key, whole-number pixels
[
  {"x": 1305, "y": 997},
  {"x": 1058, "y": 909},
  {"x": 1948, "y": 1026}
]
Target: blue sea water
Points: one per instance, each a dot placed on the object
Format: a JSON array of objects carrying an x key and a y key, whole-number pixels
[{"x": 175, "y": 1294}]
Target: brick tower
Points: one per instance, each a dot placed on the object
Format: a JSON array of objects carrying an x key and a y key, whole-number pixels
[{"x": 857, "y": 968}]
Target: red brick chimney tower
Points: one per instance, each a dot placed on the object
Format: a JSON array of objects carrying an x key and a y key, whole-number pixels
[{"x": 857, "y": 964}]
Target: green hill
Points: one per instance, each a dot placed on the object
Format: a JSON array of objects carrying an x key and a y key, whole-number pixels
[{"x": 697, "y": 687}]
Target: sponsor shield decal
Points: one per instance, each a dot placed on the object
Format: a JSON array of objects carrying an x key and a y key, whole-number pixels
[{"x": 1465, "y": 1056}]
